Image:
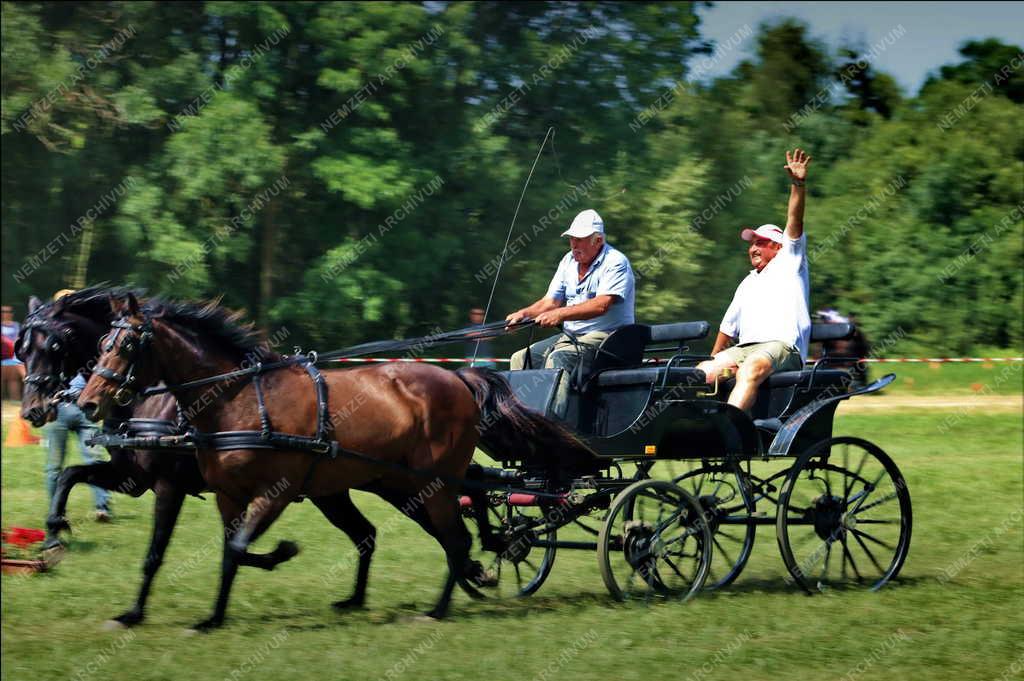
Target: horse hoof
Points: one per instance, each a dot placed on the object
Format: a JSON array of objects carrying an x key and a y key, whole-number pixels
[
  {"x": 286, "y": 550},
  {"x": 128, "y": 619},
  {"x": 206, "y": 626},
  {"x": 349, "y": 604},
  {"x": 113, "y": 625}
]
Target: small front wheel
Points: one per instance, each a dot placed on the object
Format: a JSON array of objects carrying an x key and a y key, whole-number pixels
[{"x": 655, "y": 543}]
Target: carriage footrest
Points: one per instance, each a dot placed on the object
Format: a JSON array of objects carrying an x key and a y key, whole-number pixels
[{"x": 773, "y": 425}]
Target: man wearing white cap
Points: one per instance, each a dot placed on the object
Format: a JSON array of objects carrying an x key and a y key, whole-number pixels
[
  {"x": 768, "y": 318},
  {"x": 591, "y": 295}
]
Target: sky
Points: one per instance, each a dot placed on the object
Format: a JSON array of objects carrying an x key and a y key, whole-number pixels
[{"x": 930, "y": 35}]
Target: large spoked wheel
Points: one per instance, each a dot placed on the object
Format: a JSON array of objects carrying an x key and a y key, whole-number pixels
[
  {"x": 655, "y": 543},
  {"x": 844, "y": 517},
  {"x": 729, "y": 509},
  {"x": 525, "y": 552}
]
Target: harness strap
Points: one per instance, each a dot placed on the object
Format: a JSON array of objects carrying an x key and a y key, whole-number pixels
[{"x": 262, "y": 407}]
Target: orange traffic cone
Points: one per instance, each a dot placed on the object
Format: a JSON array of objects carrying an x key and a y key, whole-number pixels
[{"x": 20, "y": 435}]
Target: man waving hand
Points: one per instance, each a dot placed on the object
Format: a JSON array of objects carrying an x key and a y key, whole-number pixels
[{"x": 768, "y": 319}]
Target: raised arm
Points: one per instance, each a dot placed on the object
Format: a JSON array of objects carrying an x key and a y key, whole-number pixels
[{"x": 796, "y": 166}]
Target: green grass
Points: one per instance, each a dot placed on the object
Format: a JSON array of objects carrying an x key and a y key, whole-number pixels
[
  {"x": 994, "y": 378},
  {"x": 966, "y": 484}
]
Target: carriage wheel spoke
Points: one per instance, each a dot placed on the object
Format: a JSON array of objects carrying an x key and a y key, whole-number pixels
[
  {"x": 674, "y": 568},
  {"x": 849, "y": 554},
  {"x": 828, "y": 555},
  {"x": 718, "y": 546},
  {"x": 859, "y": 533},
  {"x": 722, "y": 533},
  {"x": 887, "y": 498},
  {"x": 868, "y": 489},
  {"x": 519, "y": 576},
  {"x": 868, "y": 551}
]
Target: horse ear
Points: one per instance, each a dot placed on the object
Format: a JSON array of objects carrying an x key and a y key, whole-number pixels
[
  {"x": 34, "y": 304},
  {"x": 132, "y": 305}
]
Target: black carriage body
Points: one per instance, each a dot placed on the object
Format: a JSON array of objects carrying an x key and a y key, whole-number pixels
[{"x": 628, "y": 410}]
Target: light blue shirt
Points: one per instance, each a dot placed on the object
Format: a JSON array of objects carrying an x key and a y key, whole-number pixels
[
  {"x": 609, "y": 274},
  {"x": 76, "y": 386}
]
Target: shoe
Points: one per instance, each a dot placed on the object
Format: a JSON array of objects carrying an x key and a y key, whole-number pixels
[{"x": 102, "y": 515}]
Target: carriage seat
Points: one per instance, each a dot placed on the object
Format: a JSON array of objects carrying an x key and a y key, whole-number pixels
[{"x": 624, "y": 347}]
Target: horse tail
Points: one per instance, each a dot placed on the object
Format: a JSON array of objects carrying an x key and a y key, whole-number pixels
[{"x": 510, "y": 428}]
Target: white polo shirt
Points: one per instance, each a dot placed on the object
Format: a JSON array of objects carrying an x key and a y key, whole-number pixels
[{"x": 773, "y": 304}]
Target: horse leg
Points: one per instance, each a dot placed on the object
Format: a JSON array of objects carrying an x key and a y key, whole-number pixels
[
  {"x": 344, "y": 515},
  {"x": 264, "y": 510},
  {"x": 169, "y": 499},
  {"x": 414, "y": 508},
  {"x": 105, "y": 474},
  {"x": 489, "y": 541},
  {"x": 443, "y": 511}
]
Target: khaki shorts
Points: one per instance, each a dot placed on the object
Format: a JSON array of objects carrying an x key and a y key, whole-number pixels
[{"x": 784, "y": 357}]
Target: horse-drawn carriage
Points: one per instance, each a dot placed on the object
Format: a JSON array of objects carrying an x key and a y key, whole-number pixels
[
  {"x": 666, "y": 532},
  {"x": 606, "y": 468}
]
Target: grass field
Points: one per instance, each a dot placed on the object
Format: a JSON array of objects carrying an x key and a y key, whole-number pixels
[{"x": 964, "y": 472}]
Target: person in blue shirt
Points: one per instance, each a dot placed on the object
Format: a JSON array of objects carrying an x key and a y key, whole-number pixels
[
  {"x": 71, "y": 419},
  {"x": 591, "y": 295}
]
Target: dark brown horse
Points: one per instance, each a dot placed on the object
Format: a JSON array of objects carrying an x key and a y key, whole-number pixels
[
  {"x": 417, "y": 424},
  {"x": 60, "y": 339},
  {"x": 57, "y": 341}
]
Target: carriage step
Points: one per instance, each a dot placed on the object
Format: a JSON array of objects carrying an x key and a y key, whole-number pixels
[{"x": 772, "y": 425}]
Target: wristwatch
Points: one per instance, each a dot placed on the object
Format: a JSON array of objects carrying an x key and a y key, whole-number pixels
[{"x": 798, "y": 183}]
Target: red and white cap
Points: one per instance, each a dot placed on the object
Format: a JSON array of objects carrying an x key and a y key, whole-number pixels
[{"x": 771, "y": 232}]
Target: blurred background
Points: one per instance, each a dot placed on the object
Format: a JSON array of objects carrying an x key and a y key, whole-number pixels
[{"x": 349, "y": 171}]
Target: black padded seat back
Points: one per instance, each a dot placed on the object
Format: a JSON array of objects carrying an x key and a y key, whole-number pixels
[
  {"x": 677, "y": 332},
  {"x": 831, "y": 332},
  {"x": 624, "y": 347}
]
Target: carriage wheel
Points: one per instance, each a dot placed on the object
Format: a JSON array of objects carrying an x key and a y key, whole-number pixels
[
  {"x": 844, "y": 516},
  {"x": 720, "y": 489},
  {"x": 655, "y": 542},
  {"x": 527, "y": 554}
]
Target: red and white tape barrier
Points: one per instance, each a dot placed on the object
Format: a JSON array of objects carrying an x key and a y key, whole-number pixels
[{"x": 496, "y": 360}]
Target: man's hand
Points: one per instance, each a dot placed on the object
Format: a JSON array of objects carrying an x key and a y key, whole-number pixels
[
  {"x": 515, "y": 317},
  {"x": 550, "y": 318},
  {"x": 796, "y": 164}
]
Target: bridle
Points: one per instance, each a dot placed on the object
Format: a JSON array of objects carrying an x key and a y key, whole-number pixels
[
  {"x": 130, "y": 348},
  {"x": 58, "y": 339}
]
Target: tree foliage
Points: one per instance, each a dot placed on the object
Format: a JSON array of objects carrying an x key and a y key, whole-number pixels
[{"x": 349, "y": 170}]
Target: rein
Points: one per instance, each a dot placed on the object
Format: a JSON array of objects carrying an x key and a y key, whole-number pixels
[{"x": 479, "y": 333}]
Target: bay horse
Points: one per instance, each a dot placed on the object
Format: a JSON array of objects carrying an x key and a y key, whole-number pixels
[
  {"x": 60, "y": 339},
  {"x": 410, "y": 426}
]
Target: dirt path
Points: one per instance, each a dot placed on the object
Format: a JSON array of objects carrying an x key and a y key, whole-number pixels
[{"x": 874, "y": 403}]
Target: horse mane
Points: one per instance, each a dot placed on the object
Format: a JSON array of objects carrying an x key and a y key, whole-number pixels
[
  {"x": 210, "y": 320},
  {"x": 92, "y": 302}
]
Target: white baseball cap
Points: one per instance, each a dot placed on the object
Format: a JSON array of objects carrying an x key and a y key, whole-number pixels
[
  {"x": 586, "y": 223},
  {"x": 772, "y": 232}
]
